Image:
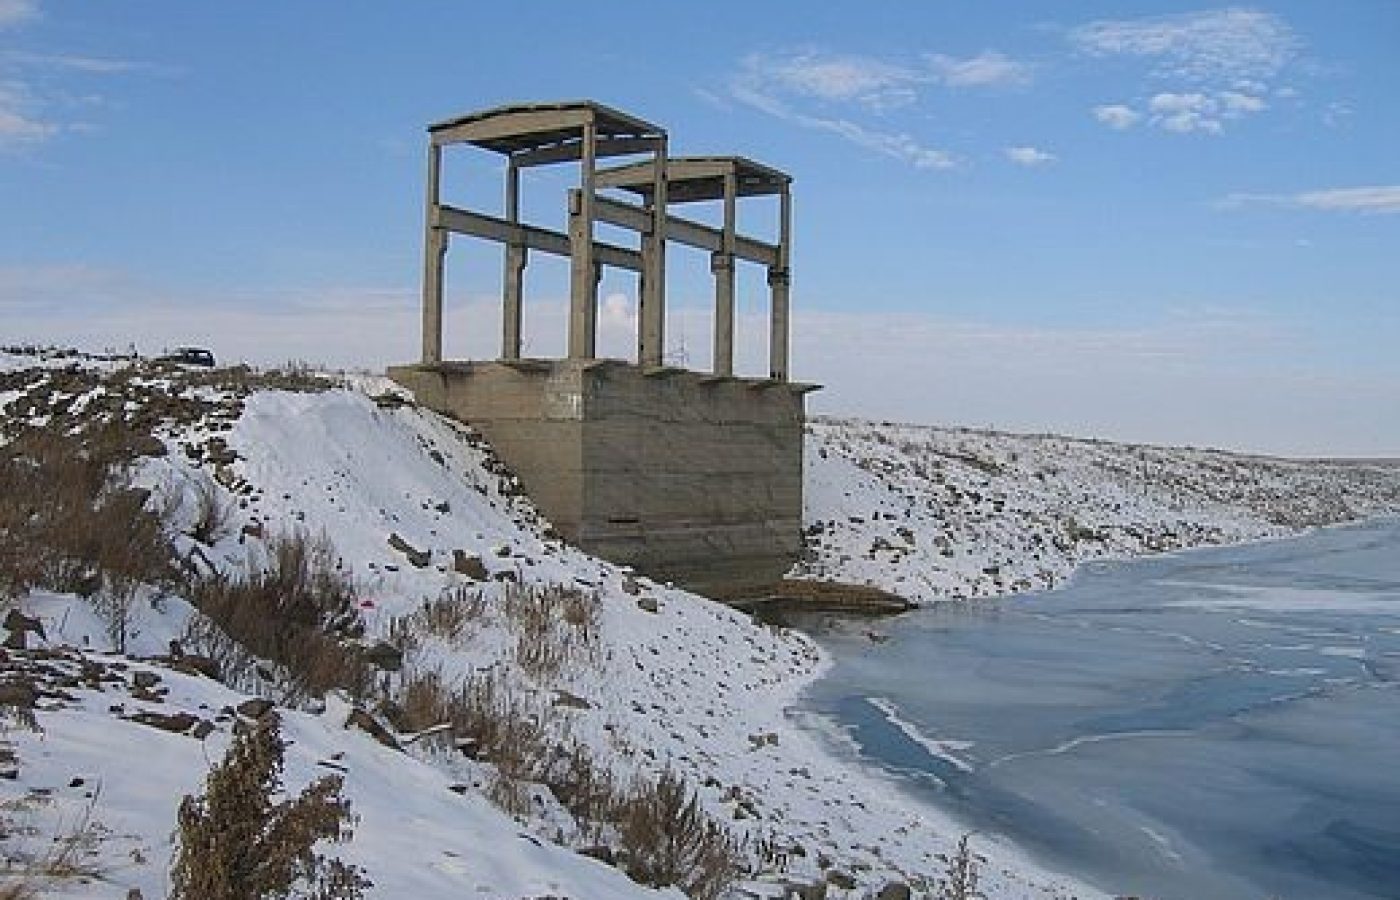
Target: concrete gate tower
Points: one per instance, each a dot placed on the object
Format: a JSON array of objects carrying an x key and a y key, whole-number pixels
[{"x": 693, "y": 477}]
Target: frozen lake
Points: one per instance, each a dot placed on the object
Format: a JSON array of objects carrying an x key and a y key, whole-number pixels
[{"x": 1220, "y": 723}]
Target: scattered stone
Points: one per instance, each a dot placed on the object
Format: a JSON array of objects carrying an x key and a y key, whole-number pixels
[
  {"x": 18, "y": 623},
  {"x": 19, "y": 694},
  {"x": 459, "y": 788},
  {"x": 148, "y": 445},
  {"x": 572, "y": 701},
  {"x": 837, "y": 878},
  {"x": 194, "y": 664},
  {"x": 365, "y": 722},
  {"x": 202, "y": 729},
  {"x": 253, "y": 530},
  {"x": 255, "y": 707},
  {"x": 418, "y": 558},
  {"x": 464, "y": 563},
  {"x": 894, "y": 890},
  {"x": 145, "y": 680},
  {"x": 177, "y": 723},
  {"x": 603, "y": 853},
  {"x": 631, "y": 586},
  {"x": 648, "y": 604}
]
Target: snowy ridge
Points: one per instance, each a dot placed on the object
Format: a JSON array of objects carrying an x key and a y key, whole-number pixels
[
  {"x": 946, "y": 513},
  {"x": 676, "y": 682}
]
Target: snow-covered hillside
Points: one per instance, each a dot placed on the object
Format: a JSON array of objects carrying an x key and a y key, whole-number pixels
[
  {"x": 946, "y": 513},
  {"x": 422, "y": 518}
]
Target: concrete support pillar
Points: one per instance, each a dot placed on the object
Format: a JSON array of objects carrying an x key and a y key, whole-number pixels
[
  {"x": 722, "y": 265},
  {"x": 511, "y": 307},
  {"x": 434, "y": 257},
  {"x": 583, "y": 282},
  {"x": 651, "y": 331},
  {"x": 779, "y": 282}
]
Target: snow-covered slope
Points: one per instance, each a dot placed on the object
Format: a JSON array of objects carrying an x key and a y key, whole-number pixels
[
  {"x": 946, "y": 513},
  {"x": 417, "y": 509}
]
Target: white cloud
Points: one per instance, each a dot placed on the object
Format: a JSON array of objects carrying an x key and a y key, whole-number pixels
[
  {"x": 1211, "y": 46},
  {"x": 1116, "y": 115},
  {"x": 90, "y": 65},
  {"x": 986, "y": 69},
  {"x": 1377, "y": 199},
  {"x": 1030, "y": 157},
  {"x": 16, "y": 12},
  {"x": 1222, "y": 61},
  {"x": 777, "y": 87}
]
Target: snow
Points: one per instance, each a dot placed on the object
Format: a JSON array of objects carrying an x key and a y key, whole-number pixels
[{"x": 694, "y": 687}]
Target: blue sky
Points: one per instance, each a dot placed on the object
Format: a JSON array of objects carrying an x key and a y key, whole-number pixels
[{"x": 1165, "y": 222}]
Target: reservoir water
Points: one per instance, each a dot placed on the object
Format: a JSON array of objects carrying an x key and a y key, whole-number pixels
[{"x": 1219, "y": 723}]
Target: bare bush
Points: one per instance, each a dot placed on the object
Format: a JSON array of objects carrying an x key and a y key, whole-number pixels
[
  {"x": 298, "y": 612},
  {"x": 555, "y": 625},
  {"x": 668, "y": 840},
  {"x": 33, "y": 871},
  {"x": 236, "y": 842},
  {"x": 449, "y": 616},
  {"x": 960, "y": 879},
  {"x": 212, "y": 514}
]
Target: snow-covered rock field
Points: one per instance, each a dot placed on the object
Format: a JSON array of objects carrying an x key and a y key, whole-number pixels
[{"x": 417, "y": 510}]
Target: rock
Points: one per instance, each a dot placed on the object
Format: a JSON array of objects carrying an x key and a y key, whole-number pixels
[
  {"x": 601, "y": 852},
  {"x": 837, "y": 878},
  {"x": 178, "y": 723},
  {"x": 895, "y": 890},
  {"x": 384, "y": 655},
  {"x": 20, "y": 694},
  {"x": 805, "y": 891},
  {"x": 648, "y": 604},
  {"x": 572, "y": 701},
  {"x": 464, "y": 563},
  {"x": 145, "y": 680},
  {"x": 418, "y": 558},
  {"x": 253, "y": 530},
  {"x": 148, "y": 445},
  {"x": 194, "y": 664},
  {"x": 255, "y": 707},
  {"x": 202, "y": 729},
  {"x": 365, "y": 722},
  {"x": 631, "y": 586},
  {"x": 18, "y": 622}
]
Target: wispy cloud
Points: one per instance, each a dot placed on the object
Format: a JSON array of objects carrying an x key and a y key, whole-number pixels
[
  {"x": 1030, "y": 157},
  {"x": 854, "y": 96},
  {"x": 66, "y": 61},
  {"x": 15, "y": 12},
  {"x": 1377, "y": 199},
  {"x": 1221, "y": 63},
  {"x": 19, "y": 125},
  {"x": 990, "y": 68},
  {"x": 1226, "y": 44}
]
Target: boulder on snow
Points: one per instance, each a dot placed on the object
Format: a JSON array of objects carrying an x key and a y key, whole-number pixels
[
  {"x": 464, "y": 563},
  {"x": 365, "y": 722},
  {"x": 255, "y": 707},
  {"x": 419, "y": 558},
  {"x": 19, "y": 625},
  {"x": 176, "y": 723},
  {"x": 384, "y": 655}
]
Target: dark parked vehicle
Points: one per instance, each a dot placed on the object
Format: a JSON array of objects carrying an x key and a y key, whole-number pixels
[{"x": 190, "y": 356}]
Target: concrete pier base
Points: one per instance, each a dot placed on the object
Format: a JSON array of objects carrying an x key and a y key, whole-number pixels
[{"x": 685, "y": 476}]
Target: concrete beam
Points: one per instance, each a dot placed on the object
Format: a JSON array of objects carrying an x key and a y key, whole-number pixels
[
  {"x": 779, "y": 281},
  {"x": 514, "y": 275},
  {"x": 568, "y": 152},
  {"x": 722, "y": 264},
  {"x": 651, "y": 331},
  {"x": 684, "y": 231},
  {"x": 532, "y": 237}
]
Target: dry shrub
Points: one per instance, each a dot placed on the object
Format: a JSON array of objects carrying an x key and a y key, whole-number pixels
[
  {"x": 960, "y": 878},
  {"x": 237, "y": 842},
  {"x": 70, "y": 521},
  {"x": 449, "y": 616},
  {"x": 555, "y": 625},
  {"x": 664, "y": 837},
  {"x": 297, "y": 612},
  {"x": 212, "y": 515},
  {"x": 668, "y": 840},
  {"x": 68, "y": 854}
]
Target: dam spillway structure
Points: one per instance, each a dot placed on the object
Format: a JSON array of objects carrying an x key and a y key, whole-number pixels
[{"x": 693, "y": 477}]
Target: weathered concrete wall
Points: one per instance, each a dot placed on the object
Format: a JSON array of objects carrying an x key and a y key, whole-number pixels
[{"x": 684, "y": 476}]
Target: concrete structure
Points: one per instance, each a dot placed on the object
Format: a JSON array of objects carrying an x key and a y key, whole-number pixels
[{"x": 690, "y": 477}]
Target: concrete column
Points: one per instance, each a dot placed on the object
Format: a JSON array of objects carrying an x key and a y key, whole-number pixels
[
  {"x": 651, "y": 332},
  {"x": 434, "y": 257},
  {"x": 583, "y": 283},
  {"x": 779, "y": 282},
  {"x": 722, "y": 265},
  {"x": 511, "y": 311}
]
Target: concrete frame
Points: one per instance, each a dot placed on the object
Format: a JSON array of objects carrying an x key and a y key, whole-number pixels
[
  {"x": 725, "y": 178},
  {"x": 543, "y": 134}
]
